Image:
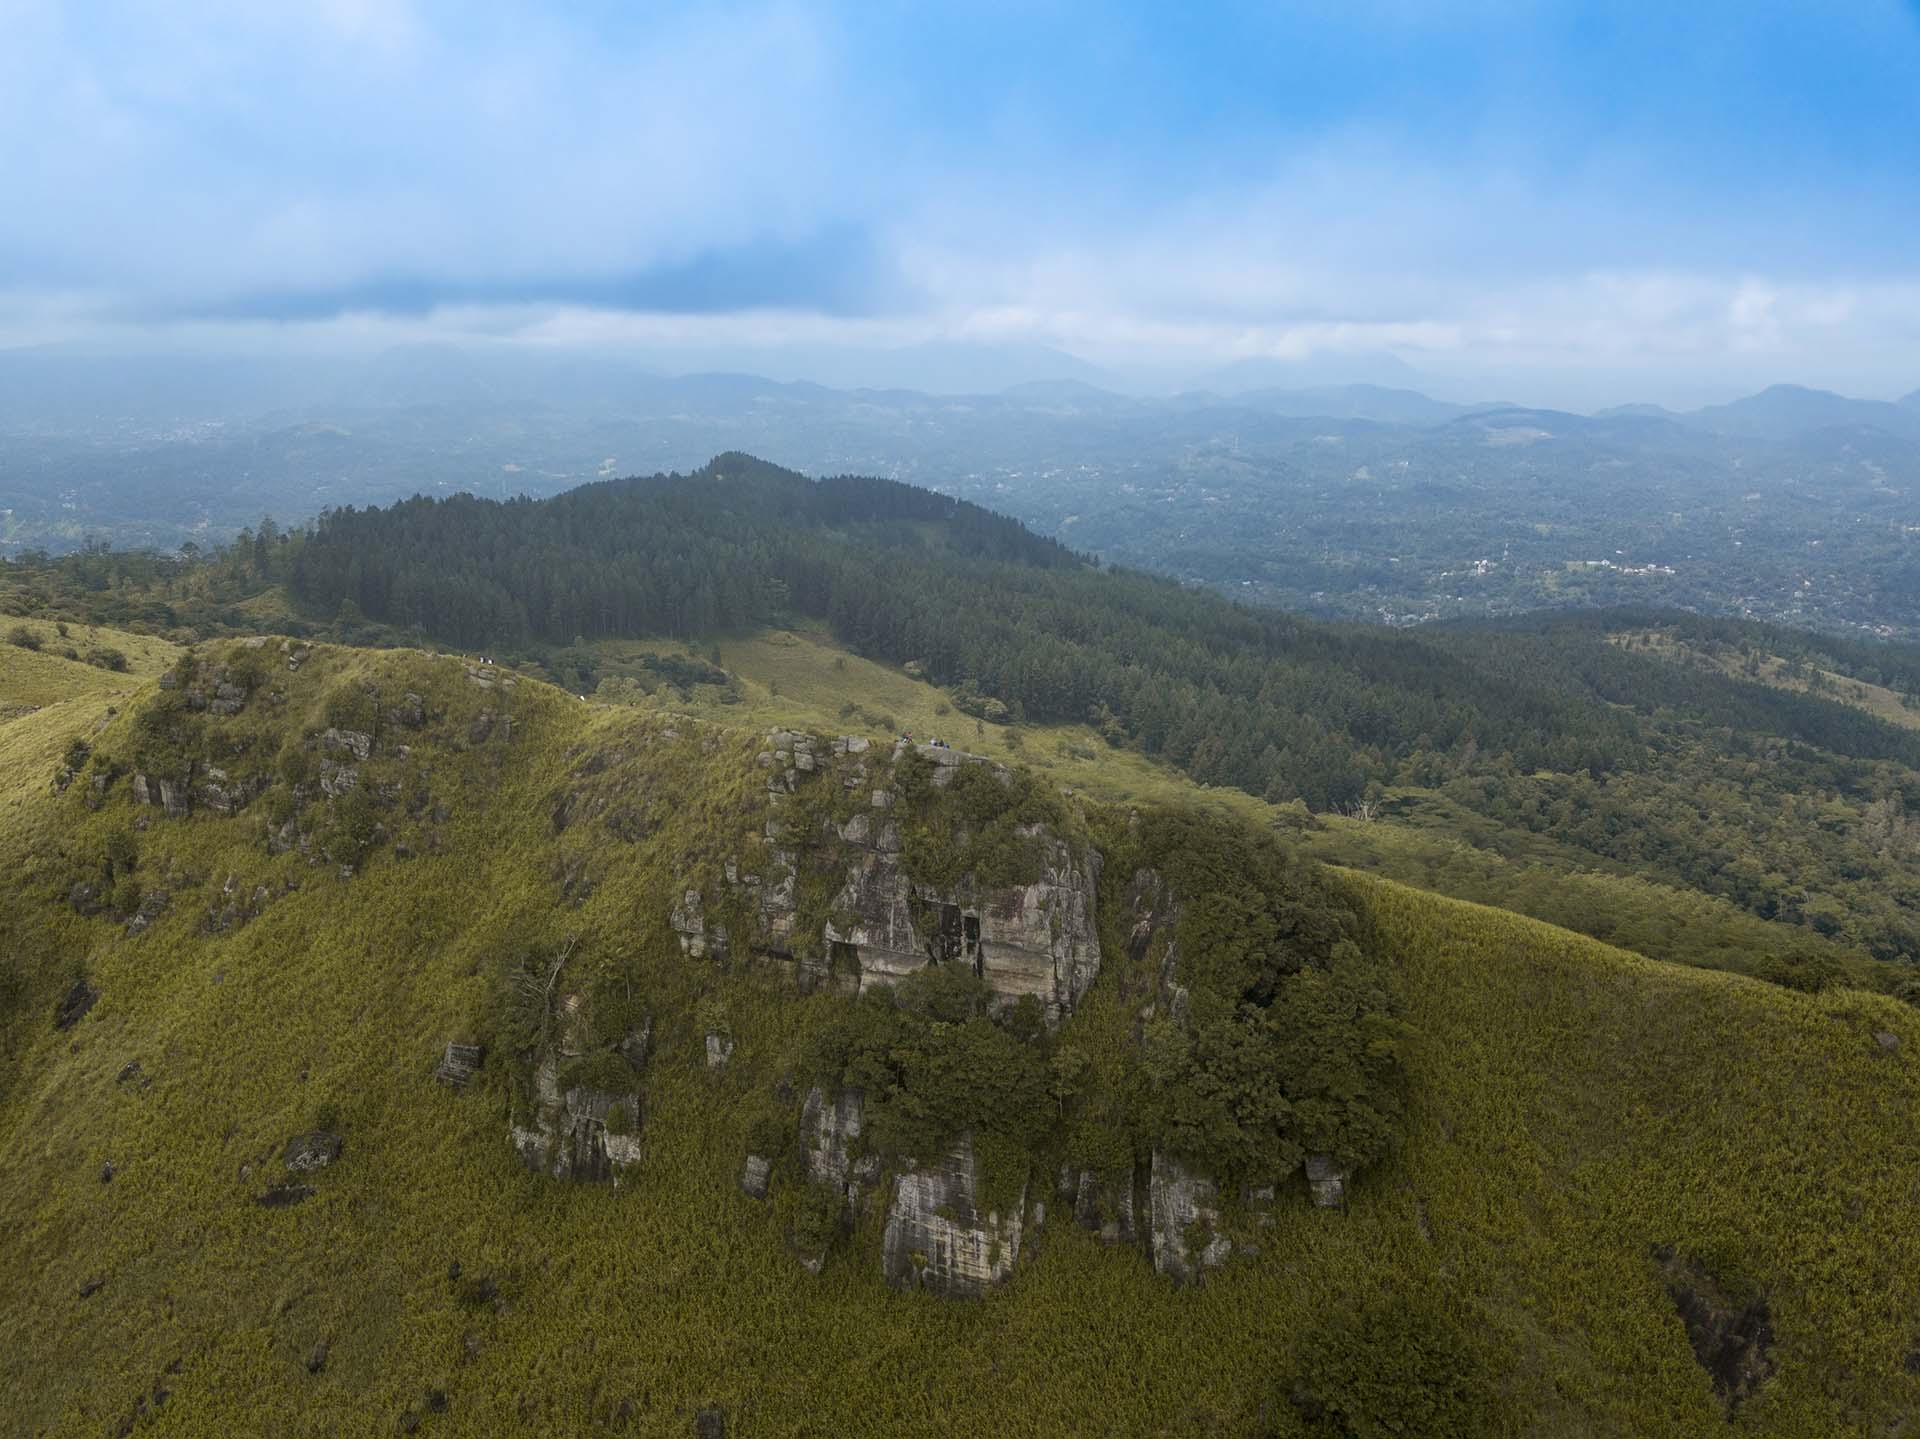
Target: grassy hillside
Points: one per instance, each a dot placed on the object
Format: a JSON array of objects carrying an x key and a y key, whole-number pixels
[
  {"x": 1571, "y": 1110},
  {"x": 801, "y": 676},
  {"x": 1600, "y": 776},
  {"x": 1753, "y": 662}
]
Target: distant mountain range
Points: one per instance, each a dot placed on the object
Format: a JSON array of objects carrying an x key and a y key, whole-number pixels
[
  {"x": 1355, "y": 499},
  {"x": 61, "y": 388}
]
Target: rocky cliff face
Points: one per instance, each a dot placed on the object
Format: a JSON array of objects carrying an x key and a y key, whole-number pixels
[
  {"x": 830, "y": 1134},
  {"x": 583, "y": 1128},
  {"x": 938, "y": 1238},
  {"x": 1033, "y": 938},
  {"x": 1188, "y": 1235},
  {"x": 836, "y": 1165}
]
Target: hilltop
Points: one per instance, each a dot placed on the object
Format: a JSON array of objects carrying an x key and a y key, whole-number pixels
[{"x": 1582, "y": 1144}]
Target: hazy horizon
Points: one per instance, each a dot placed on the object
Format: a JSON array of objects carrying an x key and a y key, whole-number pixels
[{"x": 1551, "y": 204}]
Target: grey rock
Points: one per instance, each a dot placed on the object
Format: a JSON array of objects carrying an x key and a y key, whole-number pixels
[
  {"x": 755, "y": 1175},
  {"x": 719, "y": 1050},
  {"x": 307, "y": 1152},
  {"x": 1887, "y": 1040},
  {"x": 568, "y": 1135},
  {"x": 170, "y": 796},
  {"x": 697, "y": 939},
  {"x": 1035, "y": 939},
  {"x": 1326, "y": 1181},
  {"x": 228, "y": 698},
  {"x": 357, "y": 743},
  {"x": 1180, "y": 1200},
  {"x": 74, "y": 1004},
  {"x": 830, "y": 1136},
  {"x": 153, "y": 904},
  {"x": 1731, "y": 1337},
  {"x": 937, "y": 1237},
  {"x": 459, "y": 1063},
  {"x": 635, "y": 1044},
  {"x": 216, "y": 790}
]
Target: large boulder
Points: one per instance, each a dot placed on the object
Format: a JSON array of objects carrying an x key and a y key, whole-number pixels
[
  {"x": 307, "y": 1152},
  {"x": 1188, "y": 1237},
  {"x": 171, "y": 796},
  {"x": 459, "y": 1063},
  {"x": 939, "y": 1239},
  {"x": 582, "y": 1132},
  {"x": 830, "y": 1137},
  {"x": 578, "y": 1130}
]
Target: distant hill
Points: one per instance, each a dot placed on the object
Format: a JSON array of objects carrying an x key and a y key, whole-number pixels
[
  {"x": 1784, "y": 412},
  {"x": 1357, "y": 500}
]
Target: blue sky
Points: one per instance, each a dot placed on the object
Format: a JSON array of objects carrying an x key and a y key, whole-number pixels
[{"x": 1562, "y": 202}]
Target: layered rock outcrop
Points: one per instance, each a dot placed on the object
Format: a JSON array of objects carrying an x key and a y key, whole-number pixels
[
  {"x": 938, "y": 1237},
  {"x": 1188, "y": 1235},
  {"x": 1037, "y": 937},
  {"x": 584, "y": 1130},
  {"x": 830, "y": 1135}
]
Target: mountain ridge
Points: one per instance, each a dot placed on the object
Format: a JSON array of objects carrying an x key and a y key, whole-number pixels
[{"x": 425, "y": 1273}]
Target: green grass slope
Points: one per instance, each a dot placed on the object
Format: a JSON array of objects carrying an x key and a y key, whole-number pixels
[
  {"x": 800, "y": 676},
  {"x": 1572, "y": 1108}
]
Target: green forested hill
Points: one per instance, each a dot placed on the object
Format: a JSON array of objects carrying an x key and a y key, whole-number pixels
[
  {"x": 1789, "y": 805},
  {"x": 1556, "y": 753},
  {"x": 1580, "y": 1135}
]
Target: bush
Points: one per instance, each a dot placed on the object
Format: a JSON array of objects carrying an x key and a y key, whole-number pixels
[
  {"x": 818, "y": 1219},
  {"x": 23, "y": 637},
  {"x": 1393, "y": 1367},
  {"x": 126, "y": 895},
  {"x": 770, "y": 1134},
  {"x": 104, "y": 658},
  {"x": 933, "y": 1066}
]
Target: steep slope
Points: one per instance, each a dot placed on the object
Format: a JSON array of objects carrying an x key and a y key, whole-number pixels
[{"x": 1593, "y": 1144}]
